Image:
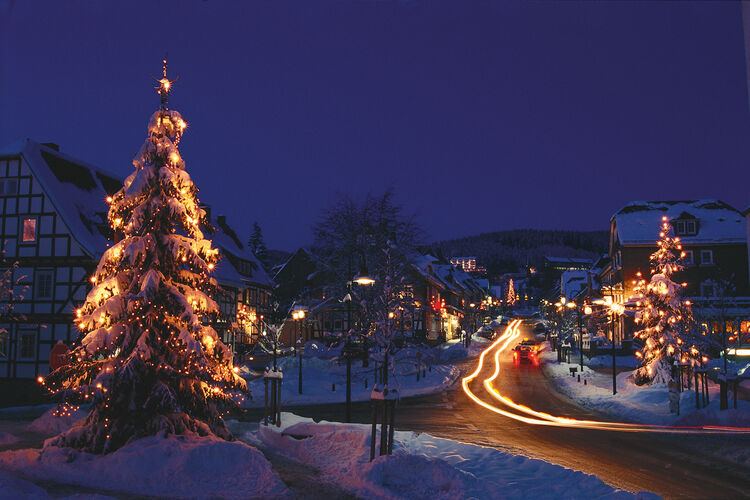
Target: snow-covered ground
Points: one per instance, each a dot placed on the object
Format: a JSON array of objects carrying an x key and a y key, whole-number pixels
[
  {"x": 324, "y": 376},
  {"x": 647, "y": 404},
  {"x": 650, "y": 405},
  {"x": 423, "y": 466}
]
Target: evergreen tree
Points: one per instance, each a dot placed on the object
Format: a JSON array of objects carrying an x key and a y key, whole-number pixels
[
  {"x": 147, "y": 361},
  {"x": 665, "y": 319},
  {"x": 257, "y": 245},
  {"x": 510, "y": 296}
]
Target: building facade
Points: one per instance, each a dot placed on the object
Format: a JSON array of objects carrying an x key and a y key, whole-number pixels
[{"x": 714, "y": 238}]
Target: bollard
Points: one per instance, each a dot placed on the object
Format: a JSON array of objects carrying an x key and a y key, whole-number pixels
[
  {"x": 333, "y": 387},
  {"x": 585, "y": 381},
  {"x": 365, "y": 383},
  {"x": 579, "y": 377},
  {"x": 418, "y": 370}
]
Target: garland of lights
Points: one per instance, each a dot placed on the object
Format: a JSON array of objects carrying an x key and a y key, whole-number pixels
[{"x": 146, "y": 360}]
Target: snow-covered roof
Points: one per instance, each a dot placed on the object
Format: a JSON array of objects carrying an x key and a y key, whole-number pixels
[
  {"x": 79, "y": 191},
  {"x": 638, "y": 222},
  {"x": 76, "y": 188},
  {"x": 444, "y": 275},
  {"x": 231, "y": 270}
]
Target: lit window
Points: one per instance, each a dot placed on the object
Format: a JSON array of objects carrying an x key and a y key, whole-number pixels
[
  {"x": 707, "y": 257},
  {"x": 29, "y": 230}
]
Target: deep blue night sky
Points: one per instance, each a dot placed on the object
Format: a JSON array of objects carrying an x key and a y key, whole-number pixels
[{"x": 482, "y": 115}]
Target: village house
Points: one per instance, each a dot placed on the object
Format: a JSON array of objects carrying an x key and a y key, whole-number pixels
[
  {"x": 53, "y": 224},
  {"x": 714, "y": 238}
]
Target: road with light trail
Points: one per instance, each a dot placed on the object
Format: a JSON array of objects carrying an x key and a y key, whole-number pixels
[{"x": 636, "y": 461}]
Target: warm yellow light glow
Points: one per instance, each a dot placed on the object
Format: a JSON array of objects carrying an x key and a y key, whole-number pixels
[
  {"x": 210, "y": 265},
  {"x": 109, "y": 199},
  {"x": 364, "y": 280}
]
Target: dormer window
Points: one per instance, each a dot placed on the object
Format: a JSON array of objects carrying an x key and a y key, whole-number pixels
[{"x": 685, "y": 227}]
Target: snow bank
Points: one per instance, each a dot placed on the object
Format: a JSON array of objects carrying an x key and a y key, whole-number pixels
[
  {"x": 19, "y": 489},
  {"x": 176, "y": 466},
  {"x": 7, "y": 438},
  {"x": 425, "y": 467},
  {"x": 50, "y": 425},
  {"x": 643, "y": 404}
]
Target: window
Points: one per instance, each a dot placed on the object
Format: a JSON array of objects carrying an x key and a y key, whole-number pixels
[
  {"x": 688, "y": 258},
  {"x": 617, "y": 259},
  {"x": 29, "y": 231},
  {"x": 708, "y": 289},
  {"x": 11, "y": 186},
  {"x": 707, "y": 257},
  {"x": 44, "y": 284},
  {"x": 27, "y": 346},
  {"x": 685, "y": 227}
]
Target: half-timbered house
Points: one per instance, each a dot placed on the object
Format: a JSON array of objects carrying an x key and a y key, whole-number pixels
[{"x": 53, "y": 225}]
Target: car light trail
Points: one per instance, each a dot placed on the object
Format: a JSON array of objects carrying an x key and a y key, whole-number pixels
[{"x": 510, "y": 334}]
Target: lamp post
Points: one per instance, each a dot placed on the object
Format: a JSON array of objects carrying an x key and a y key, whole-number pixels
[
  {"x": 615, "y": 309},
  {"x": 298, "y": 316},
  {"x": 364, "y": 280},
  {"x": 581, "y": 310}
]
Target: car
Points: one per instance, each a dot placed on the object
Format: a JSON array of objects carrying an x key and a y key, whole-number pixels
[{"x": 526, "y": 352}]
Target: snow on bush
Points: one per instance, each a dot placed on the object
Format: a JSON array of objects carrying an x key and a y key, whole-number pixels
[
  {"x": 50, "y": 424},
  {"x": 176, "y": 467}
]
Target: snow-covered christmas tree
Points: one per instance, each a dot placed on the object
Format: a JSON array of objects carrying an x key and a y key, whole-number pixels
[
  {"x": 663, "y": 316},
  {"x": 147, "y": 360}
]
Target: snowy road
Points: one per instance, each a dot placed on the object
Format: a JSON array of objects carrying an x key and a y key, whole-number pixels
[{"x": 666, "y": 465}]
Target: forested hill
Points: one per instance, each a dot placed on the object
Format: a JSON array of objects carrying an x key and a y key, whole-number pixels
[{"x": 511, "y": 251}]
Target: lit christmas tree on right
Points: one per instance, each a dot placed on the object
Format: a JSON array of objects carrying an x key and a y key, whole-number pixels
[{"x": 663, "y": 316}]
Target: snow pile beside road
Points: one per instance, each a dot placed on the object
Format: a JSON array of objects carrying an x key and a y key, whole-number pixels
[
  {"x": 649, "y": 405},
  {"x": 642, "y": 404},
  {"x": 176, "y": 466},
  {"x": 425, "y": 467}
]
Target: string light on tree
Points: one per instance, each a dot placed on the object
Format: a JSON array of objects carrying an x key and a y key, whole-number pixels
[
  {"x": 664, "y": 319},
  {"x": 147, "y": 360}
]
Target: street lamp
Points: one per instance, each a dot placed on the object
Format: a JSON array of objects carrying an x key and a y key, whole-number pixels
[
  {"x": 361, "y": 279},
  {"x": 298, "y": 316},
  {"x": 581, "y": 310}
]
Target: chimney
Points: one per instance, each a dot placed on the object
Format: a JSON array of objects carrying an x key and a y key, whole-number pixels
[
  {"x": 206, "y": 208},
  {"x": 221, "y": 220}
]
